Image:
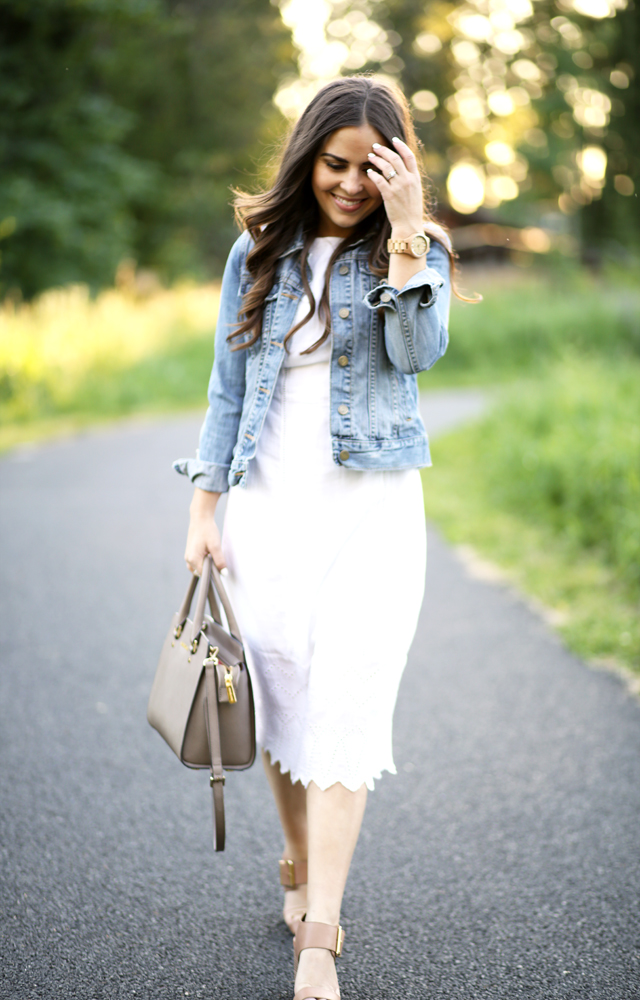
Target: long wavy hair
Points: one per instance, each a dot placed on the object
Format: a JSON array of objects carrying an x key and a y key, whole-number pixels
[{"x": 273, "y": 217}]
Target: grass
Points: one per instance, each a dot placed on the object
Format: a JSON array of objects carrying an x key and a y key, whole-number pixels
[
  {"x": 529, "y": 319},
  {"x": 67, "y": 360},
  {"x": 547, "y": 486}
]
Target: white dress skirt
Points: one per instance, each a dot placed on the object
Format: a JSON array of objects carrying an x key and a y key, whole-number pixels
[{"x": 326, "y": 571}]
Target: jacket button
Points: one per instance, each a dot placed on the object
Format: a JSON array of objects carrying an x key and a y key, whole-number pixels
[
  {"x": 344, "y": 455},
  {"x": 344, "y": 313},
  {"x": 343, "y": 360},
  {"x": 344, "y": 269},
  {"x": 343, "y": 409},
  {"x": 385, "y": 297}
]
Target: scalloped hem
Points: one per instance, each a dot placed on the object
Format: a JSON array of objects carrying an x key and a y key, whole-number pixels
[{"x": 353, "y": 784}]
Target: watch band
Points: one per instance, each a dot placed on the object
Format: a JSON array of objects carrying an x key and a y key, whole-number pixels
[
  {"x": 416, "y": 245},
  {"x": 397, "y": 246}
]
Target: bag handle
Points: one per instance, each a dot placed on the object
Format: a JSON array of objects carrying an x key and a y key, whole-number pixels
[
  {"x": 216, "y": 774},
  {"x": 185, "y": 607},
  {"x": 226, "y": 603},
  {"x": 211, "y": 581}
]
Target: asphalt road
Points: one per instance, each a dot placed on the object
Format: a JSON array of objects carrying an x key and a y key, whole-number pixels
[{"x": 503, "y": 861}]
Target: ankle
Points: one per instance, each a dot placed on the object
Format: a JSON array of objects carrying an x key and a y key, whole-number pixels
[
  {"x": 295, "y": 850},
  {"x": 323, "y": 915}
]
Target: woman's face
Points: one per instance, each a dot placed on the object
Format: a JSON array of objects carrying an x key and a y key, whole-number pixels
[{"x": 344, "y": 192}]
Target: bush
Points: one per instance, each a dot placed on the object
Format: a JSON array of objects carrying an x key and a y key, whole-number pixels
[
  {"x": 524, "y": 323},
  {"x": 67, "y": 354},
  {"x": 566, "y": 452},
  {"x": 548, "y": 486}
]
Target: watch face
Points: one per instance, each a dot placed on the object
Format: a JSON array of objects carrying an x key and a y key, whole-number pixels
[{"x": 419, "y": 245}]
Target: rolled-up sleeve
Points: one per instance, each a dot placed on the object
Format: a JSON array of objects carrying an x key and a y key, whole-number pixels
[
  {"x": 219, "y": 433},
  {"x": 416, "y": 317}
]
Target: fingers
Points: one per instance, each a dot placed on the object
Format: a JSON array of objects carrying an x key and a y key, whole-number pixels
[
  {"x": 380, "y": 181},
  {"x": 401, "y": 158},
  {"x": 195, "y": 560},
  {"x": 408, "y": 158}
]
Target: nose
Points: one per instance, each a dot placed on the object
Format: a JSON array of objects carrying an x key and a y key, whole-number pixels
[{"x": 352, "y": 183}]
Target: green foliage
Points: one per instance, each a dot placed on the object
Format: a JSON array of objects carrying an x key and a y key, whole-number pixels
[
  {"x": 566, "y": 451},
  {"x": 69, "y": 356},
  {"x": 523, "y": 323},
  {"x": 66, "y": 184},
  {"x": 548, "y": 485},
  {"x": 122, "y": 125},
  {"x": 203, "y": 107}
]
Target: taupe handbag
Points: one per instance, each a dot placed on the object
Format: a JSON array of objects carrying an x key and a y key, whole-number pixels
[{"x": 201, "y": 700}]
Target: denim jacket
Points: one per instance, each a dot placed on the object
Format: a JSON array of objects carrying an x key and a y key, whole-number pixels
[{"x": 381, "y": 338}]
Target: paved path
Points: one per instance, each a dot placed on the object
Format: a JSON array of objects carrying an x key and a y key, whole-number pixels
[{"x": 502, "y": 862}]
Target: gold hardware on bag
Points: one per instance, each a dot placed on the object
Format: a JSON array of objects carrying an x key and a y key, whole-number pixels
[
  {"x": 213, "y": 779},
  {"x": 212, "y": 658},
  {"x": 339, "y": 941},
  {"x": 177, "y": 632},
  {"x": 228, "y": 681},
  {"x": 194, "y": 644}
]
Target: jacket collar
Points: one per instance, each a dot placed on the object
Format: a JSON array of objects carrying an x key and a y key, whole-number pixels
[{"x": 298, "y": 242}]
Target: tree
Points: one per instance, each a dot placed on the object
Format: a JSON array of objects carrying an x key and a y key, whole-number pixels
[
  {"x": 66, "y": 184},
  {"x": 123, "y": 124},
  {"x": 203, "y": 103},
  {"x": 523, "y": 107}
]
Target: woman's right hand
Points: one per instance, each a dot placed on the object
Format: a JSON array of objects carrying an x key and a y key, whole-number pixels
[{"x": 203, "y": 536}]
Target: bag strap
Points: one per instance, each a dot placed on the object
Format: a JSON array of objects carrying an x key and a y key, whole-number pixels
[
  {"x": 185, "y": 607},
  {"x": 226, "y": 603},
  {"x": 206, "y": 592},
  {"x": 211, "y": 582},
  {"x": 213, "y": 604},
  {"x": 216, "y": 775}
]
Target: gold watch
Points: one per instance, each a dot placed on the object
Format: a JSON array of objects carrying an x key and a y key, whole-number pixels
[{"x": 416, "y": 245}]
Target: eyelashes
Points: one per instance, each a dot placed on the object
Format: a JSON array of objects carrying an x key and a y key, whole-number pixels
[{"x": 337, "y": 167}]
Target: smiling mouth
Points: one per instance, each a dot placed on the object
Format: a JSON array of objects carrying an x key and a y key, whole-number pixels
[{"x": 348, "y": 204}]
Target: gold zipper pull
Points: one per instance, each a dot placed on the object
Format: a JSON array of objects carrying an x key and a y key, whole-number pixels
[
  {"x": 228, "y": 680},
  {"x": 212, "y": 658}
]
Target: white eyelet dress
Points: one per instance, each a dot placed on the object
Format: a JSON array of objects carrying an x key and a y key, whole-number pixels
[{"x": 326, "y": 570}]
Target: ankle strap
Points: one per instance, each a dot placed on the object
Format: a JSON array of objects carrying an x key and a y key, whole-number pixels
[
  {"x": 293, "y": 873},
  {"x": 311, "y": 934}
]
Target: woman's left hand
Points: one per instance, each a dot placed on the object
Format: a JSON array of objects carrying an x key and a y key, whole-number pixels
[{"x": 401, "y": 191}]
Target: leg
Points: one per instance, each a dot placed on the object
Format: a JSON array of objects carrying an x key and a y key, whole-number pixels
[
  {"x": 291, "y": 801},
  {"x": 334, "y": 818}
]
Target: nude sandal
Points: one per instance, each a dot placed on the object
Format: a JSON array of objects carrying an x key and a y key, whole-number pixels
[
  {"x": 315, "y": 935},
  {"x": 293, "y": 875}
]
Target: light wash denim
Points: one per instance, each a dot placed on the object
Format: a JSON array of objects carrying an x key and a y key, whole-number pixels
[{"x": 381, "y": 338}]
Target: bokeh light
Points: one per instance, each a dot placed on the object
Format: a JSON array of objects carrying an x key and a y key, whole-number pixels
[{"x": 465, "y": 186}]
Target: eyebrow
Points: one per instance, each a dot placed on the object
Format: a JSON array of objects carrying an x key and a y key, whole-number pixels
[{"x": 340, "y": 159}]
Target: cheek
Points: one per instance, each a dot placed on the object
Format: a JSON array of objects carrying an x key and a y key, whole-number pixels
[
  {"x": 373, "y": 191},
  {"x": 319, "y": 181}
]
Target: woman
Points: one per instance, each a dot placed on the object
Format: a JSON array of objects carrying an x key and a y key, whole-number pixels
[{"x": 330, "y": 306}]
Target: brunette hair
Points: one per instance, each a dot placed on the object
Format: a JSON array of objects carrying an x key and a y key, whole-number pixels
[{"x": 273, "y": 217}]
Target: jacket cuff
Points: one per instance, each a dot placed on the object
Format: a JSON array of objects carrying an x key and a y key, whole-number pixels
[
  {"x": 204, "y": 475},
  {"x": 385, "y": 296}
]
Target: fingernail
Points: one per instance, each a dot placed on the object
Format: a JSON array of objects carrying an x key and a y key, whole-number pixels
[
  {"x": 395, "y": 139},
  {"x": 371, "y": 154},
  {"x": 376, "y": 145}
]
